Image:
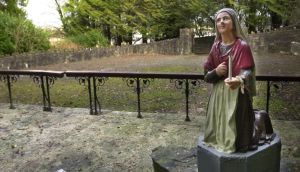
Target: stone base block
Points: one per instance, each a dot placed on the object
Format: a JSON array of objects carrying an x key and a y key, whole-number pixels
[
  {"x": 265, "y": 159},
  {"x": 174, "y": 159}
]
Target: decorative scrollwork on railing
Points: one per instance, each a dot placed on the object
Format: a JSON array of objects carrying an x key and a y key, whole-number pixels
[
  {"x": 12, "y": 78},
  {"x": 195, "y": 83},
  {"x": 2, "y": 78},
  {"x": 51, "y": 80},
  {"x": 186, "y": 84},
  {"x": 146, "y": 82},
  {"x": 82, "y": 80},
  {"x": 143, "y": 82},
  {"x": 181, "y": 83},
  {"x": 100, "y": 81},
  {"x": 138, "y": 84},
  {"x": 131, "y": 82},
  {"x": 37, "y": 80},
  {"x": 9, "y": 80}
]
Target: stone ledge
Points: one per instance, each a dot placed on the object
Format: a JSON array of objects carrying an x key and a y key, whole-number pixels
[{"x": 174, "y": 159}]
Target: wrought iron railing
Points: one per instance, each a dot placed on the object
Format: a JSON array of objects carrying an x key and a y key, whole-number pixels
[
  {"x": 44, "y": 79},
  {"x": 271, "y": 80},
  {"x": 136, "y": 80},
  {"x": 139, "y": 81}
]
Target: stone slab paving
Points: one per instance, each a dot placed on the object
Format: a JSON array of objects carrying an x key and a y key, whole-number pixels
[{"x": 70, "y": 139}]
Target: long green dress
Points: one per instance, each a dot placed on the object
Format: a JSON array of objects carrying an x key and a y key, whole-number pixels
[
  {"x": 220, "y": 129},
  {"x": 230, "y": 116}
]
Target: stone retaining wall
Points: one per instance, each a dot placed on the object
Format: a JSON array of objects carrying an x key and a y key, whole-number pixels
[
  {"x": 281, "y": 41},
  {"x": 177, "y": 46},
  {"x": 203, "y": 45}
]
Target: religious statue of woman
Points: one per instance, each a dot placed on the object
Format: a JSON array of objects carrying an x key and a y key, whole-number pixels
[{"x": 230, "y": 68}]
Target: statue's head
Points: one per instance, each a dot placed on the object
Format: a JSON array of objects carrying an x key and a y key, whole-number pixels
[{"x": 236, "y": 27}]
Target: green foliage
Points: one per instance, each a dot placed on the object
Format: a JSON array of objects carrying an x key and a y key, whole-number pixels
[
  {"x": 20, "y": 35},
  {"x": 90, "y": 38},
  {"x": 162, "y": 19},
  {"x": 12, "y": 7},
  {"x": 261, "y": 15},
  {"x": 202, "y": 15},
  {"x": 173, "y": 16},
  {"x": 31, "y": 38},
  {"x": 7, "y": 45}
]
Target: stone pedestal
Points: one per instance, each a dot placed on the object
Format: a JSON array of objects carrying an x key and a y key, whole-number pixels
[{"x": 265, "y": 159}]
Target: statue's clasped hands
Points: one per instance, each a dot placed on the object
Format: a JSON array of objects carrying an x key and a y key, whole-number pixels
[{"x": 232, "y": 83}]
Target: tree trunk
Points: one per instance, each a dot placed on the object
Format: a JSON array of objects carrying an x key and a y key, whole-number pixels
[
  {"x": 61, "y": 16},
  {"x": 119, "y": 40},
  {"x": 276, "y": 21}
]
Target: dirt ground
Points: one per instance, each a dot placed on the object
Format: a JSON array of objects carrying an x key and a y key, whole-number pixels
[{"x": 70, "y": 139}]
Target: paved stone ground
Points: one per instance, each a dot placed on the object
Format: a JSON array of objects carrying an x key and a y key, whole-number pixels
[{"x": 72, "y": 140}]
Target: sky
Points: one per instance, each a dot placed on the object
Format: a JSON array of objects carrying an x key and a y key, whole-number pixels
[{"x": 43, "y": 13}]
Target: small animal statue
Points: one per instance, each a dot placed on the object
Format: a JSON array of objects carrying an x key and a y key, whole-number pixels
[{"x": 263, "y": 130}]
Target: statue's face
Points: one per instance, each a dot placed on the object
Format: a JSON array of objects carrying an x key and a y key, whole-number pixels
[{"x": 224, "y": 23}]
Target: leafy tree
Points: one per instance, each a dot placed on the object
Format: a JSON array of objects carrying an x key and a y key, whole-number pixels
[
  {"x": 11, "y": 7},
  {"x": 117, "y": 19},
  {"x": 20, "y": 35},
  {"x": 29, "y": 38},
  {"x": 7, "y": 45},
  {"x": 90, "y": 38},
  {"x": 173, "y": 16},
  {"x": 162, "y": 19},
  {"x": 260, "y": 14},
  {"x": 203, "y": 15},
  {"x": 81, "y": 20}
]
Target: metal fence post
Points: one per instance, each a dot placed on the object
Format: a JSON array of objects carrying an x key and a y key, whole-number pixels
[
  {"x": 187, "y": 93},
  {"x": 90, "y": 96},
  {"x": 138, "y": 91},
  {"x": 48, "y": 95},
  {"x": 9, "y": 92}
]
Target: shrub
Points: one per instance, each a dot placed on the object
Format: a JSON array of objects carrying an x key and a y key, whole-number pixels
[
  {"x": 20, "y": 35},
  {"x": 31, "y": 38},
  {"x": 91, "y": 38},
  {"x": 7, "y": 45}
]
